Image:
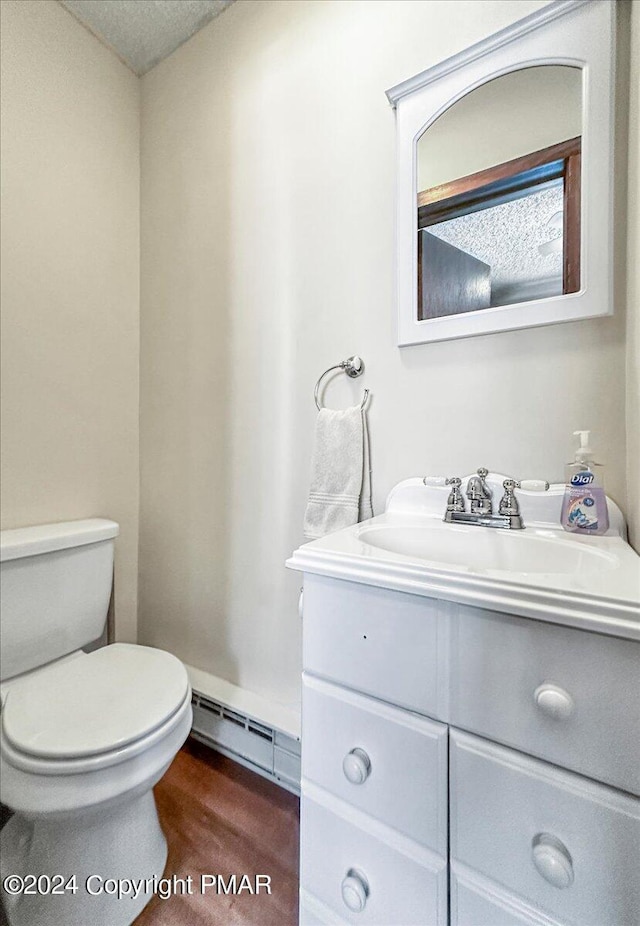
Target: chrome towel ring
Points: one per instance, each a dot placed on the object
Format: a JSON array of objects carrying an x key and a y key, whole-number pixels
[{"x": 353, "y": 366}]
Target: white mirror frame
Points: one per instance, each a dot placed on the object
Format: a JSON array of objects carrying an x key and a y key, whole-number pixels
[{"x": 578, "y": 33}]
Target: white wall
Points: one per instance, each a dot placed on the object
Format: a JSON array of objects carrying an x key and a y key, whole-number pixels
[
  {"x": 633, "y": 288},
  {"x": 70, "y": 282},
  {"x": 503, "y": 119},
  {"x": 268, "y": 227},
  {"x": 268, "y": 252}
]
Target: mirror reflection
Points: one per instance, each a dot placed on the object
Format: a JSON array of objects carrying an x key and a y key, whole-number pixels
[{"x": 498, "y": 205}]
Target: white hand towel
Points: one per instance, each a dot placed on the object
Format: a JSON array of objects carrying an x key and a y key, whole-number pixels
[
  {"x": 365, "y": 508},
  {"x": 340, "y": 493}
]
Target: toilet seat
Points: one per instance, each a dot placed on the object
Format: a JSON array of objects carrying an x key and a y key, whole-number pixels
[
  {"x": 93, "y": 711},
  {"x": 137, "y": 750}
]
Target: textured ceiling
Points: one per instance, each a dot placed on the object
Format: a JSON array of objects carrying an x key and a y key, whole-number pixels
[
  {"x": 143, "y": 32},
  {"x": 508, "y": 237}
]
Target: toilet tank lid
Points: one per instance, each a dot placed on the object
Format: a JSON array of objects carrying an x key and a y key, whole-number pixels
[{"x": 46, "y": 538}]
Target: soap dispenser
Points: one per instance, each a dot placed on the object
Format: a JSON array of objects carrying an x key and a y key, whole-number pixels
[{"x": 584, "y": 508}]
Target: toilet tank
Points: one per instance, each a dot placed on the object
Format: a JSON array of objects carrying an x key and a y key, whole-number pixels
[{"x": 55, "y": 587}]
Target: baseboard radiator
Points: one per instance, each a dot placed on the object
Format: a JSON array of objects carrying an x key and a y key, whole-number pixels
[{"x": 263, "y": 749}]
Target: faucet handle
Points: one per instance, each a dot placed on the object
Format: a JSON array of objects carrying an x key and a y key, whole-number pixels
[
  {"x": 455, "y": 502},
  {"x": 483, "y": 472},
  {"x": 509, "y": 503},
  {"x": 533, "y": 485}
]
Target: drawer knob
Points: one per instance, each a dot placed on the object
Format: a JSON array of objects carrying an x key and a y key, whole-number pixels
[
  {"x": 552, "y": 860},
  {"x": 355, "y": 890},
  {"x": 356, "y": 766},
  {"x": 554, "y": 701}
]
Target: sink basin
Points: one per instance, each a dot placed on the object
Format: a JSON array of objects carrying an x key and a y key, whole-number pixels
[
  {"x": 479, "y": 549},
  {"x": 541, "y": 572}
]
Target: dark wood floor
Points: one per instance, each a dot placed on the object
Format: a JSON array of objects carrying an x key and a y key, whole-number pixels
[{"x": 219, "y": 818}]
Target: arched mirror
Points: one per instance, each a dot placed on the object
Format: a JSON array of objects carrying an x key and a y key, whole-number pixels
[
  {"x": 505, "y": 180},
  {"x": 498, "y": 194}
]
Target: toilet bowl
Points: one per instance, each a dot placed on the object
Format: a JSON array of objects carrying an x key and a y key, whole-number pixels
[
  {"x": 82, "y": 743},
  {"x": 83, "y": 740}
]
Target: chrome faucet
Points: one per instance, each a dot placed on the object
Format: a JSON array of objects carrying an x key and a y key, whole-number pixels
[
  {"x": 479, "y": 494},
  {"x": 481, "y": 502}
]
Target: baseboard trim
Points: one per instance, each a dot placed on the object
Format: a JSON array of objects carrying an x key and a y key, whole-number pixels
[
  {"x": 230, "y": 754},
  {"x": 243, "y": 737},
  {"x": 282, "y": 717}
]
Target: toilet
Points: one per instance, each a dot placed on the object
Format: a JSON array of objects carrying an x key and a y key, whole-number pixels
[{"x": 84, "y": 736}]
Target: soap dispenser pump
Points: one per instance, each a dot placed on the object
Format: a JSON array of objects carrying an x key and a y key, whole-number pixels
[{"x": 584, "y": 508}]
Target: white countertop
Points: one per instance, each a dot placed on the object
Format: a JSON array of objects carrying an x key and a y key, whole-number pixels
[{"x": 605, "y": 599}]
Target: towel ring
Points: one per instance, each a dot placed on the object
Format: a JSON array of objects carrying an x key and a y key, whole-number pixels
[{"x": 353, "y": 366}]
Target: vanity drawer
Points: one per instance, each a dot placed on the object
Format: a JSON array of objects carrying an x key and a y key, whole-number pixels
[
  {"x": 380, "y": 642},
  {"x": 566, "y": 695},
  {"x": 477, "y": 901},
  {"x": 398, "y": 772},
  {"x": 507, "y": 810},
  {"x": 407, "y": 885},
  {"x": 313, "y": 913}
]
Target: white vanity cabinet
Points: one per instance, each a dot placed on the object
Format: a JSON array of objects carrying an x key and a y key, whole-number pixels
[
  {"x": 567, "y": 846},
  {"x": 465, "y": 766},
  {"x": 570, "y": 697},
  {"x": 374, "y": 819}
]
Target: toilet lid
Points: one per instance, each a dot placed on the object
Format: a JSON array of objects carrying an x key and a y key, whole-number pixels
[{"x": 95, "y": 704}]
